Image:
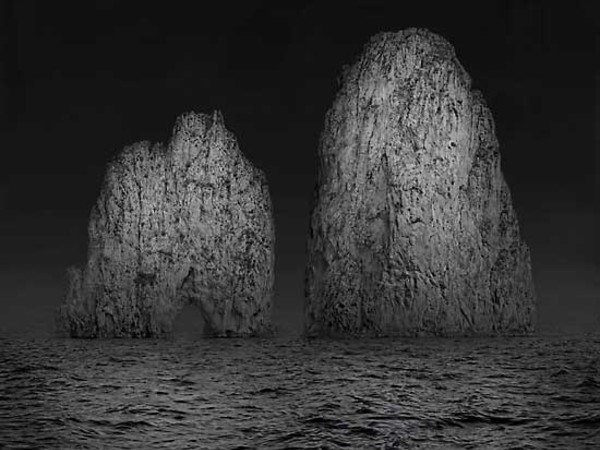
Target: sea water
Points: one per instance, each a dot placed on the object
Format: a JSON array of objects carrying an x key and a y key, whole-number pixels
[{"x": 289, "y": 392}]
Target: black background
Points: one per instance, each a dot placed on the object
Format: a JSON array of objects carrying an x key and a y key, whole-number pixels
[{"x": 80, "y": 80}]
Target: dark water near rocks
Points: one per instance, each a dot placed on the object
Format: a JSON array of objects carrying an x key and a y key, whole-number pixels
[{"x": 287, "y": 393}]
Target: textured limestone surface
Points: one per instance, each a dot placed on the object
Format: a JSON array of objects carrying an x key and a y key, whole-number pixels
[
  {"x": 190, "y": 221},
  {"x": 413, "y": 231}
]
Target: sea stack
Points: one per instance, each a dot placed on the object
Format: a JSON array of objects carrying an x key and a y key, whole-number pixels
[
  {"x": 189, "y": 221},
  {"x": 413, "y": 231}
]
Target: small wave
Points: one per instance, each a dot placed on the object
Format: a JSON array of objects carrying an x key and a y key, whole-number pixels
[
  {"x": 589, "y": 382},
  {"x": 23, "y": 369},
  {"x": 118, "y": 424},
  {"x": 76, "y": 377},
  {"x": 270, "y": 390},
  {"x": 129, "y": 424},
  {"x": 561, "y": 371},
  {"x": 129, "y": 409},
  {"x": 364, "y": 410},
  {"x": 181, "y": 381},
  {"x": 592, "y": 420},
  {"x": 170, "y": 409},
  {"x": 327, "y": 422},
  {"x": 286, "y": 437},
  {"x": 469, "y": 418},
  {"x": 100, "y": 422},
  {"x": 367, "y": 431},
  {"x": 329, "y": 406},
  {"x": 374, "y": 375}
]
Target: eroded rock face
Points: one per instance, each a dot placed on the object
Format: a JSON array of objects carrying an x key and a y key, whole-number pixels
[
  {"x": 413, "y": 230},
  {"x": 190, "y": 221}
]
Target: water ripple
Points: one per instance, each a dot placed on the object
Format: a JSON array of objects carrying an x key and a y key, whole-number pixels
[{"x": 536, "y": 393}]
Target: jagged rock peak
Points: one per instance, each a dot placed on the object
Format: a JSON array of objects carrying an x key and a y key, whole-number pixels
[
  {"x": 190, "y": 125},
  {"x": 413, "y": 230},
  {"x": 189, "y": 222}
]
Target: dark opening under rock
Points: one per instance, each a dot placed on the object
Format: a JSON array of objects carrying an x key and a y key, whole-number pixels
[
  {"x": 191, "y": 221},
  {"x": 413, "y": 229}
]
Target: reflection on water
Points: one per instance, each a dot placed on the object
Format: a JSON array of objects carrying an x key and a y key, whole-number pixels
[{"x": 291, "y": 393}]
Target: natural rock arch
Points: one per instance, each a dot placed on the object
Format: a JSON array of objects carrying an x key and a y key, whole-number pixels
[{"x": 191, "y": 220}]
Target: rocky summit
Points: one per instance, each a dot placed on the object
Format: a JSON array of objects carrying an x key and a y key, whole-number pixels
[
  {"x": 189, "y": 221},
  {"x": 413, "y": 231}
]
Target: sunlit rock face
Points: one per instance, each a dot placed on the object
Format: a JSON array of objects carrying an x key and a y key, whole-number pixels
[
  {"x": 191, "y": 221},
  {"x": 413, "y": 231}
]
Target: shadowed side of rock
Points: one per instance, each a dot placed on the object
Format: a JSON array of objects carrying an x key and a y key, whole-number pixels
[
  {"x": 413, "y": 231},
  {"x": 190, "y": 221}
]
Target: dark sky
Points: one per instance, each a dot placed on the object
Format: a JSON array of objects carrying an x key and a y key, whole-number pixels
[{"x": 82, "y": 79}]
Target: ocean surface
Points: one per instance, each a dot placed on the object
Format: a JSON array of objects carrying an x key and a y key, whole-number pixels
[{"x": 288, "y": 392}]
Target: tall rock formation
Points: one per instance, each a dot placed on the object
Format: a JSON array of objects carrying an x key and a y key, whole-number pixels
[
  {"x": 187, "y": 222},
  {"x": 413, "y": 231}
]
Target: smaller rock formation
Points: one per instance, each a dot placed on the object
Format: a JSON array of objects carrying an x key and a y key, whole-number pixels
[
  {"x": 413, "y": 230},
  {"x": 190, "y": 221}
]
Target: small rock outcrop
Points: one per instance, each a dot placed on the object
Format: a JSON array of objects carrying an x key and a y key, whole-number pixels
[
  {"x": 191, "y": 221},
  {"x": 413, "y": 231}
]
